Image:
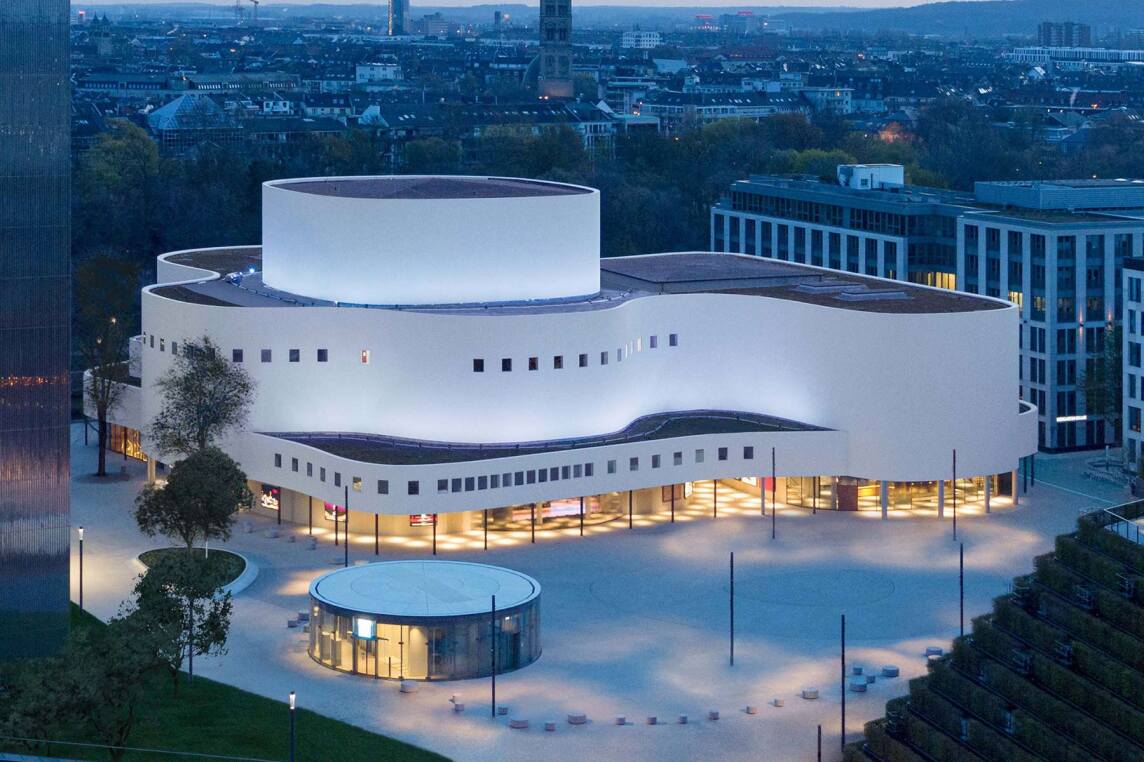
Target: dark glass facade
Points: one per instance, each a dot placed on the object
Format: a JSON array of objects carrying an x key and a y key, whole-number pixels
[{"x": 34, "y": 326}]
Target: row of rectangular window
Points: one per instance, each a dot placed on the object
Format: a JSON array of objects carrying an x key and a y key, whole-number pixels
[
  {"x": 582, "y": 359},
  {"x": 510, "y": 479},
  {"x": 265, "y": 355},
  {"x": 518, "y": 478}
]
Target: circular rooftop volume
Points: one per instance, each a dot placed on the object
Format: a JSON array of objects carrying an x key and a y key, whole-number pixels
[
  {"x": 424, "y": 620},
  {"x": 422, "y": 240}
]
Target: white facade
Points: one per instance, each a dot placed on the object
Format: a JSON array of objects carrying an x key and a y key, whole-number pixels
[
  {"x": 881, "y": 391},
  {"x": 369, "y": 73},
  {"x": 640, "y": 40}
]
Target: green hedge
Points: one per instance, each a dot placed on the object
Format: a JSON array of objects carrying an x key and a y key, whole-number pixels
[
  {"x": 1065, "y": 684},
  {"x": 1028, "y": 730},
  {"x": 1103, "y": 570},
  {"x": 1124, "y": 681},
  {"x": 882, "y": 745},
  {"x": 984, "y": 740},
  {"x": 1113, "y": 606},
  {"x": 1110, "y": 543},
  {"x": 1093, "y": 631}
]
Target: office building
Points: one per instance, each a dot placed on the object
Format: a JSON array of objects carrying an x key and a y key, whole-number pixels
[
  {"x": 1066, "y": 34},
  {"x": 35, "y": 319},
  {"x": 1054, "y": 249},
  {"x": 397, "y": 21}
]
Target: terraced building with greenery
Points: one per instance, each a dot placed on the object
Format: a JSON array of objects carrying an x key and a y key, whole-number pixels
[{"x": 1055, "y": 672}]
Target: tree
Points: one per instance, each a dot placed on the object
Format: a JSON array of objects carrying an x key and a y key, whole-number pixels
[
  {"x": 1102, "y": 385},
  {"x": 199, "y": 499},
  {"x": 94, "y": 689},
  {"x": 178, "y": 603},
  {"x": 204, "y": 396},
  {"x": 105, "y": 290},
  {"x": 431, "y": 156}
]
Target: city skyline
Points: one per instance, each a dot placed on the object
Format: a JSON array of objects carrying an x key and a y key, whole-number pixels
[{"x": 785, "y": 4}]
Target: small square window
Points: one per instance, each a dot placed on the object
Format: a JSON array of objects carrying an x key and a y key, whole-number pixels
[
  {"x": 677, "y": 459},
  {"x": 722, "y": 453},
  {"x": 653, "y": 342},
  {"x": 174, "y": 347},
  {"x": 266, "y": 355},
  {"x": 577, "y": 471},
  {"x": 414, "y": 488},
  {"x": 698, "y": 456},
  {"x": 604, "y": 358},
  {"x": 633, "y": 464},
  {"x": 655, "y": 461},
  {"x": 322, "y": 474},
  {"x": 558, "y": 362},
  {"x": 506, "y": 480},
  {"x": 383, "y": 486},
  {"x": 534, "y": 363},
  {"x": 356, "y": 483},
  {"x": 470, "y": 484},
  {"x": 455, "y": 484},
  {"x": 554, "y": 473},
  {"x": 494, "y": 481},
  {"x": 673, "y": 339},
  {"x": 295, "y": 355},
  {"x": 589, "y": 469},
  {"x": 365, "y": 357},
  {"x": 584, "y": 360},
  {"x": 309, "y": 469},
  {"x": 236, "y": 355},
  {"x": 482, "y": 482},
  {"x": 506, "y": 365},
  {"x": 294, "y": 465},
  {"x": 611, "y": 466},
  {"x": 442, "y": 485},
  {"x": 519, "y": 478},
  {"x": 478, "y": 365},
  {"x": 543, "y": 475},
  {"x": 748, "y": 453},
  {"x": 278, "y": 460},
  {"x": 531, "y": 476},
  {"x": 323, "y": 355},
  {"x": 337, "y": 479}
]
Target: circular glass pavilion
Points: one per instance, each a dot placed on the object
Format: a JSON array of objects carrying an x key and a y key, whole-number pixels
[{"x": 424, "y": 620}]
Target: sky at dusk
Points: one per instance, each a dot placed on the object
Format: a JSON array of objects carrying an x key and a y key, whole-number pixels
[{"x": 651, "y": 3}]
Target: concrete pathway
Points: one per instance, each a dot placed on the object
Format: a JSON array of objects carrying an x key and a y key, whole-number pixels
[{"x": 635, "y": 622}]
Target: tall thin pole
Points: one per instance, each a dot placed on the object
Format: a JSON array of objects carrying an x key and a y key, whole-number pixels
[
  {"x": 954, "y": 486},
  {"x": 376, "y": 538},
  {"x": 486, "y": 528},
  {"x": 762, "y": 495},
  {"x": 532, "y": 515},
  {"x": 1025, "y": 475},
  {"x": 814, "y": 498},
  {"x": 1033, "y": 464},
  {"x": 732, "y": 602},
  {"x": 434, "y": 534},
  {"x": 774, "y": 499},
  {"x": 493, "y": 639},
  {"x": 336, "y": 522},
  {"x": 715, "y": 500},
  {"x": 629, "y": 509},
  {"x": 843, "y": 741},
  {"x": 961, "y": 583},
  {"x": 310, "y": 517},
  {"x": 673, "y": 504},
  {"x": 820, "y": 743},
  {"x": 581, "y": 515},
  {"x": 291, "y": 726},
  {"x": 346, "y": 543},
  {"x": 81, "y": 568}
]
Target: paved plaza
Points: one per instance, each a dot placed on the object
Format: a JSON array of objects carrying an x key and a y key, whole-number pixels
[{"x": 635, "y": 621}]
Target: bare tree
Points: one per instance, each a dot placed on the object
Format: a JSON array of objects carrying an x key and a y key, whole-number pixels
[
  {"x": 204, "y": 397},
  {"x": 105, "y": 291}
]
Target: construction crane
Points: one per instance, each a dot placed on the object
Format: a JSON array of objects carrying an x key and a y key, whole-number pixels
[{"x": 240, "y": 12}]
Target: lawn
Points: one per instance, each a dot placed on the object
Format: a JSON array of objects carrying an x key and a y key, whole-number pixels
[
  {"x": 225, "y": 566},
  {"x": 211, "y": 718}
]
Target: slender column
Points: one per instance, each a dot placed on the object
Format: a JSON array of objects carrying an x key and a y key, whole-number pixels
[
  {"x": 629, "y": 509},
  {"x": 732, "y": 605},
  {"x": 434, "y": 534},
  {"x": 493, "y": 655},
  {"x": 346, "y": 544},
  {"x": 1014, "y": 492},
  {"x": 532, "y": 518},
  {"x": 941, "y": 498},
  {"x": 884, "y": 496},
  {"x": 581, "y": 515},
  {"x": 843, "y": 661},
  {"x": 715, "y": 498},
  {"x": 376, "y": 537},
  {"x": 310, "y": 516},
  {"x": 988, "y": 491},
  {"x": 485, "y": 525},
  {"x": 672, "y": 503}
]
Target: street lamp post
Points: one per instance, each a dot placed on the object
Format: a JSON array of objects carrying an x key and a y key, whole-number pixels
[
  {"x": 81, "y": 568},
  {"x": 292, "y": 698}
]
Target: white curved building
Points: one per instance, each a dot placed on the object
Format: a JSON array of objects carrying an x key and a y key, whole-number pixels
[{"x": 455, "y": 346}]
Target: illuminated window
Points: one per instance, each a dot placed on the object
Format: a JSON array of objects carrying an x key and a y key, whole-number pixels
[
  {"x": 365, "y": 357},
  {"x": 356, "y": 483},
  {"x": 364, "y": 629}
]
